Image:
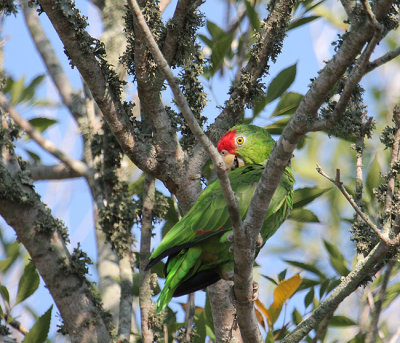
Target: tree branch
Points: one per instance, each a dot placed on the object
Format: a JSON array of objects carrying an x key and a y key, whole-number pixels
[
  {"x": 145, "y": 292},
  {"x": 125, "y": 303},
  {"x": 69, "y": 97},
  {"x": 99, "y": 79},
  {"x": 372, "y": 334},
  {"x": 40, "y": 234},
  {"x": 382, "y": 60},
  {"x": 53, "y": 172},
  {"x": 77, "y": 166}
]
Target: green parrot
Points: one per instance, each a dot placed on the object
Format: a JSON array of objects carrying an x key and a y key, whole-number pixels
[{"x": 199, "y": 245}]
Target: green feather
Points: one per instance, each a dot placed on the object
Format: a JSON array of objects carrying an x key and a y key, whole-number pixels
[{"x": 197, "y": 245}]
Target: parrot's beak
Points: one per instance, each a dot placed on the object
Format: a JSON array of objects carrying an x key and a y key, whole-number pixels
[{"x": 232, "y": 161}]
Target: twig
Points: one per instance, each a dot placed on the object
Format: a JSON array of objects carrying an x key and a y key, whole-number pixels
[
  {"x": 70, "y": 98},
  {"x": 339, "y": 184},
  {"x": 371, "y": 15},
  {"x": 52, "y": 172},
  {"x": 372, "y": 334},
  {"x": 145, "y": 291},
  {"x": 78, "y": 166},
  {"x": 383, "y": 59}
]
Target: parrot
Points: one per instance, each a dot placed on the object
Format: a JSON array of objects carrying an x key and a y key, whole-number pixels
[{"x": 199, "y": 246}]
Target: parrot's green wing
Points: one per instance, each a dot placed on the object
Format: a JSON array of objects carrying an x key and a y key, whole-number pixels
[{"x": 209, "y": 215}]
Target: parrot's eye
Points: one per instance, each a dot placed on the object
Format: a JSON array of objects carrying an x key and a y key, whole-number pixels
[{"x": 240, "y": 140}]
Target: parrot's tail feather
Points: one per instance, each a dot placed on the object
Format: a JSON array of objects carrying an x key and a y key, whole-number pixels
[
  {"x": 184, "y": 264},
  {"x": 198, "y": 281}
]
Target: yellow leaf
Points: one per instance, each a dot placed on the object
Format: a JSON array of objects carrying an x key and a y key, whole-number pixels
[
  {"x": 264, "y": 310},
  {"x": 282, "y": 292},
  {"x": 285, "y": 289},
  {"x": 260, "y": 318}
]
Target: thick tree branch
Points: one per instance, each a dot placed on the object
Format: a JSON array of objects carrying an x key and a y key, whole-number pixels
[
  {"x": 183, "y": 8},
  {"x": 61, "y": 16},
  {"x": 39, "y": 232},
  {"x": 77, "y": 166}
]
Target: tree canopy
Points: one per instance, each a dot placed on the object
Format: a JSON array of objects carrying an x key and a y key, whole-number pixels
[{"x": 110, "y": 112}]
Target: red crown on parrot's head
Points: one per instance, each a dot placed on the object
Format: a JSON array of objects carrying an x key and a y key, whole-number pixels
[{"x": 227, "y": 142}]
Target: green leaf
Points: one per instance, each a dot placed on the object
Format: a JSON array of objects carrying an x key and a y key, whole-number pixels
[
  {"x": 38, "y": 333},
  {"x": 214, "y": 30},
  {"x": 392, "y": 292},
  {"x": 34, "y": 156},
  {"x": 41, "y": 123},
  {"x": 287, "y": 104},
  {"x": 270, "y": 337},
  {"x": 277, "y": 127},
  {"x": 303, "y": 196},
  {"x": 282, "y": 275},
  {"x": 311, "y": 268},
  {"x": 12, "y": 253},
  {"x": 253, "y": 16},
  {"x": 336, "y": 258},
  {"x": 302, "y": 21},
  {"x": 220, "y": 48},
  {"x": 281, "y": 82},
  {"x": 4, "y": 293},
  {"x": 309, "y": 297},
  {"x": 16, "y": 90},
  {"x": 270, "y": 279},
  {"x": 276, "y": 88},
  {"x": 341, "y": 321},
  {"x": 303, "y": 215},
  {"x": 28, "y": 283},
  {"x": 296, "y": 316},
  {"x": 308, "y": 283},
  {"x": 29, "y": 91}
]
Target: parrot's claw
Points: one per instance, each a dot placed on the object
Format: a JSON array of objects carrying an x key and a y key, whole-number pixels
[
  {"x": 255, "y": 291},
  {"x": 253, "y": 298},
  {"x": 259, "y": 241},
  {"x": 229, "y": 237}
]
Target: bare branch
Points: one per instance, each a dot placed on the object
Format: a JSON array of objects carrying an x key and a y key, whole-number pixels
[
  {"x": 145, "y": 292},
  {"x": 339, "y": 184},
  {"x": 372, "y": 334},
  {"x": 69, "y": 97},
  {"x": 77, "y": 166},
  {"x": 382, "y": 60},
  {"x": 51, "y": 172}
]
